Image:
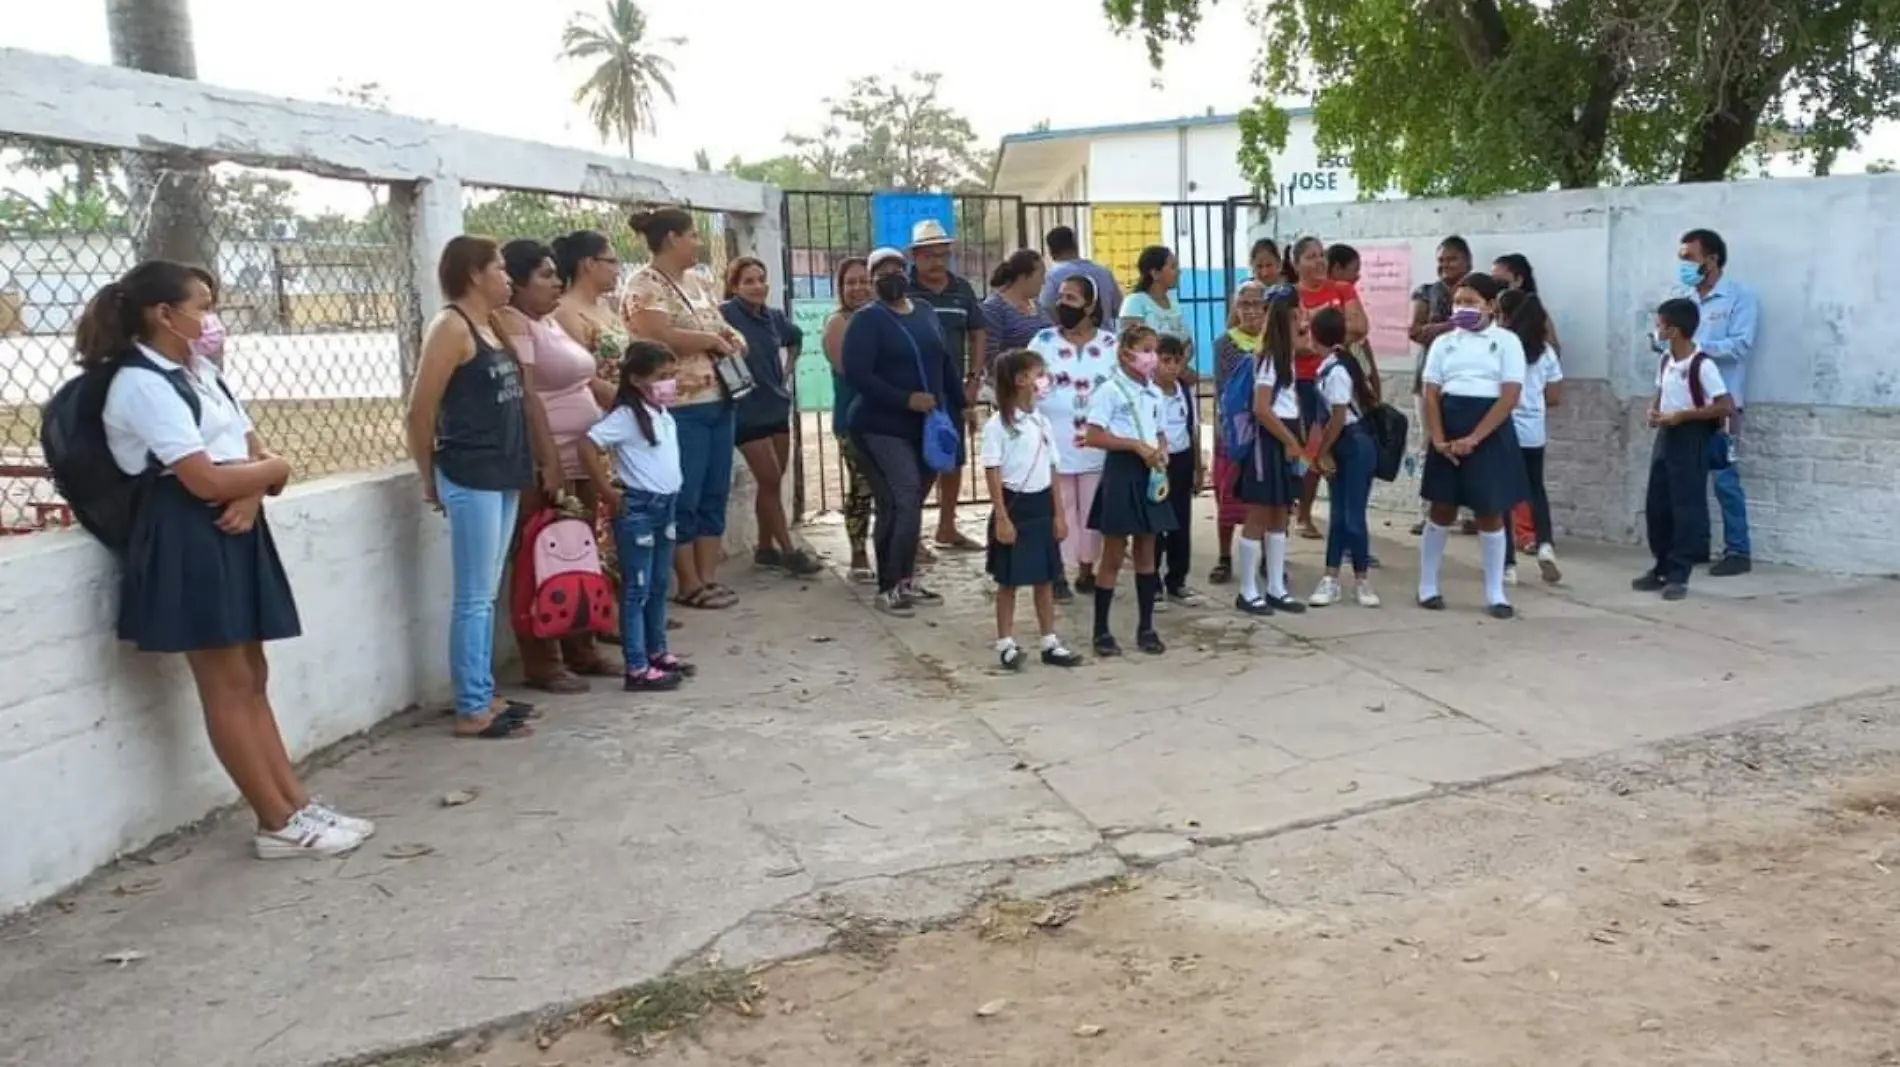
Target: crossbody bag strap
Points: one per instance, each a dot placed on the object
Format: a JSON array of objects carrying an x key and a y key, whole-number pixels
[
  {"x": 916, "y": 352},
  {"x": 1121, "y": 386}
]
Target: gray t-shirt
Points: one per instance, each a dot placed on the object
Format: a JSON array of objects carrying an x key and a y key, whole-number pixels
[{"x": 1437, "y": 298}]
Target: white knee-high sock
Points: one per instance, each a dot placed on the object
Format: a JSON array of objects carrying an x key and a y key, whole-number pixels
[
  {"x": 1247, "y": 562},
  {"x": 1494, "y": 546},
  {"x": 1431, "y": 553},
  {"x": 1276, "y": 565}
]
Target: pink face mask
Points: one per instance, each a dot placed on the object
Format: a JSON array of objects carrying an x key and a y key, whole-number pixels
[
  {"x": 211, "y": 335},
  {"x": 1146, "y": 362},
  {"x": 664, "y": 392}
]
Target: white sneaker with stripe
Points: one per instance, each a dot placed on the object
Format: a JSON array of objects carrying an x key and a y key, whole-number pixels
[{"x": 305, "y": 837}]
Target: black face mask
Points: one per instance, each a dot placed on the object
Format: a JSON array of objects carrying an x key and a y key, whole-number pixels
[
  {"x": 892, "y": 287},
  {"x": 1069, "y": 316}
]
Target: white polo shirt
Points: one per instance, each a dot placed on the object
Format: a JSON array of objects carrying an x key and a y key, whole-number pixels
[
  {"x": 1672, "y": 384},
  {"x": 1286, "y": 402},
  {"x": 1528, "y": 417},
  {"x": 1475, "y": 363},
  {"x": 1177, "y": 423},
  {"x": 1127, "y": 409},
  {"x": 1024, "y": 451},
  {"x": 145, "y": 416},
  {"x": 1335, "y": 384},
  {"x": 655, "y": 467}
]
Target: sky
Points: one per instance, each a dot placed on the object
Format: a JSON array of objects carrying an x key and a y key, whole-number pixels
[{"x": 750, "y": 72}]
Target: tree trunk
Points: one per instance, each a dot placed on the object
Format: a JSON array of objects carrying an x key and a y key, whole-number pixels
[
  {"x": 170, "y": 203},
  {"x": 1714, "y": 143}
]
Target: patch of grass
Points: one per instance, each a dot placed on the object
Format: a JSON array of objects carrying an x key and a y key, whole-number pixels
[{"x": 646, "y": 1014}]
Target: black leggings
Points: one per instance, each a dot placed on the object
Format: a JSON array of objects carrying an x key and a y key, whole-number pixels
[
  {"x": 1540, "y": 505},
  {"x": 895, "y": 468}
]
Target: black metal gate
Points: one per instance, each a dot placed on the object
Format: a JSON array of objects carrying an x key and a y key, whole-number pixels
[{"x": 822, "y": 228}]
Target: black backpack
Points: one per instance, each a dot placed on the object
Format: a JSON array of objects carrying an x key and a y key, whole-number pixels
[
  {"x": 1387, "y": 424},
  {"x": 102, "y": 497}
]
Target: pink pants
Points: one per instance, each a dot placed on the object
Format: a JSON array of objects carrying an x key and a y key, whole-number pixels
[{"x": 1083, "y": 545}]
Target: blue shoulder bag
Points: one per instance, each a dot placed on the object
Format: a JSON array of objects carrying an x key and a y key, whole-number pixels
[{"x": 943, "y": 442}]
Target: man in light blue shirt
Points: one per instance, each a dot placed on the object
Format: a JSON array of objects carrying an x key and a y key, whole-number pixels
[
  {"x": 1730, "y": 313},
  {"x": 1065, "y": 258}
]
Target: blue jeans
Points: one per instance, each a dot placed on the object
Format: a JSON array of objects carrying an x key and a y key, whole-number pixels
[
  {"x": 644, "y": 536},
  {"x": 481, "y": 521},
  {"x": 1733, "y": 502},
  {"x": 1351, "y": 489},
  {"x": 706, "y": 433}
]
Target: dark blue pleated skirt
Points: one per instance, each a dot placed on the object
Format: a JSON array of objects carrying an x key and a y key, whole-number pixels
[
  {"x": 1266, "y": 476},
  {"x": 1489, "y": 481},
  {"x": 189, "y": 587},
  {"x": 1121, "y": 507},
  {"x": 1035, "y": 557}
]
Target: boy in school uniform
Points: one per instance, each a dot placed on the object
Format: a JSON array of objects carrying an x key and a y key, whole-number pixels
[
  {"x": 1181, "y": 426},
  {"x": 1688, "y": 409}
]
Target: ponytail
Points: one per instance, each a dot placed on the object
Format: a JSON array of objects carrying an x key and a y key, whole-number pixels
[
  {"x": 114, "y": 318},
  {"x": 1277, "y": 338}
]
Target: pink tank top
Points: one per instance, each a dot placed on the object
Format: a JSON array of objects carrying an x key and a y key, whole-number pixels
[{"x": 562, "y": 369}]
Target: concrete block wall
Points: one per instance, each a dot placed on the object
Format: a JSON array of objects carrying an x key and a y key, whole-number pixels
[{"x": 1823, "y": 398}]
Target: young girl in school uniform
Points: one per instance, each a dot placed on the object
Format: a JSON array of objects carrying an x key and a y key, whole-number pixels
[
  {"x": 1181, "y": 426},
  {"x": 201, "y": 573},
  {"x": 1347, "y": 456},
  {"x": 1269, "y": 484},
  {"x": 1028, "y": 522},
  {"x": 638, "y": 437},
  {"x": 1473, "y": 376},
  {"x": 1523, "y": 314},
  {"x": 1131, "y": 503}
]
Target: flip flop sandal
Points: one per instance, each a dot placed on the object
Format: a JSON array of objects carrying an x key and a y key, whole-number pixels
[
  {"x": 962, "y": 542},
  {"x": 567, "y": 683},
  {"x": 699, "y": 599},
  {"x": 503, "y": 727},
  {"x": 1310, "y": 532},
  {"x": 722, "y": 596},
  {"x": 1221, "y": 574}
]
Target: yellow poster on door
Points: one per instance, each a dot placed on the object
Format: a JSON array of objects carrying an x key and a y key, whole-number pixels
[{"x": 1118, "y": 233}]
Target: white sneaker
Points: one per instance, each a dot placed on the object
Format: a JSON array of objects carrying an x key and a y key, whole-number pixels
[
  {"x": 1363, "y": 595},
  {"x": 893, "y": 603},
  {"x": 324, "y": 813},
  {"x": 1326, "y": 595},
  {"x": 1547, "y": 564},
  {"x": 1510, "y": 575},
  {"x": 304, "y": 837}
]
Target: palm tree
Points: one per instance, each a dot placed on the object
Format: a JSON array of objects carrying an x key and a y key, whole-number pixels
[{"x": 619, "y": 93}]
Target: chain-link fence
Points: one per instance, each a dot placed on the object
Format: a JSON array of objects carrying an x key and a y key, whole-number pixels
[{"x": 311, "y": 287}]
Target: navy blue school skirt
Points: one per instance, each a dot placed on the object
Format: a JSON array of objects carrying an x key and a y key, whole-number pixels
[
  {"x": 1491, "y": 480},
  {"x": 189, "y": 586},
  {"x": 1266, "y": 476},
  {"x": 1121, "y": 507},
  {"x": 1036, "y": 557}
]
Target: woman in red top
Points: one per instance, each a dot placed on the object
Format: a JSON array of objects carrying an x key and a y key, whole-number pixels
[{"x": 1307, "y": 261}]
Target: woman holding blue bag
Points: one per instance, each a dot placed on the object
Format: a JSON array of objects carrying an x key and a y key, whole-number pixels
[{"x": 903, "y": 422}]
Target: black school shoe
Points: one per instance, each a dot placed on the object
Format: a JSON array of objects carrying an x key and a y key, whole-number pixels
[
  {"x": 1648, "y": 583},
  {"x": 1106, "y": 646},
  {"x": 1011, "y": 658},
  {"x": 1085, "y": 583},
  {"x": 1501, "y": 611},
  {"x": 1263, "y": 606},
  {"x": 1730, "y": 566},
  {"x": 1061, "y": 656},
  {"x": 1062, "y": 592},
  {"x": 1675, "y": 591},
  {"x": 1150, "y": 642},
  {"x": 1287, "y": 604}
]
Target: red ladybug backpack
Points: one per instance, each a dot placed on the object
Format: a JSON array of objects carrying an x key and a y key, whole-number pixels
[{"x": 559, "y": 590}]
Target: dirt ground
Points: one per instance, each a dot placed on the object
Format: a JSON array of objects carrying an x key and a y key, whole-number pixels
[{"x": 1719, "y": 901}]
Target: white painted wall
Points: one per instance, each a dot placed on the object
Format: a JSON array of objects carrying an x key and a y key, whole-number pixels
[
  {"x": 1201, "y": 162},
  {"x": 103, "y": 748},
  {"x": 1823, "y": 421}
]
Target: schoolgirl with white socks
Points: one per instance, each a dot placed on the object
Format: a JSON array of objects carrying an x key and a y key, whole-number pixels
[
  {"x": 1268, "y": 483},
  {"x": 1473, "y": 376}
]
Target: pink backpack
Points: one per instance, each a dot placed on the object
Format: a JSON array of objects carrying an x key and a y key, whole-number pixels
[{"x": 570, "y": 594}]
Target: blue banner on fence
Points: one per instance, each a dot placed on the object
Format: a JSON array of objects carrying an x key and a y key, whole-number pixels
[{"x": 893, "y": 215}]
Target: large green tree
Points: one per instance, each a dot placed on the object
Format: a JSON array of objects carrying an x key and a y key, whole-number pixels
[
  {"x": 619, "y": 91},
  {"x": 1474, "y": 97},
  {"x": 895, "y": 135}
]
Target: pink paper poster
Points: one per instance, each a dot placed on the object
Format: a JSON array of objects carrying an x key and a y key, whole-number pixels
[{"x": 1385, "y": 290}]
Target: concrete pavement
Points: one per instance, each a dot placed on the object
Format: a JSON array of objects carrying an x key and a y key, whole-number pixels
[{"x": 831, "y": 763}]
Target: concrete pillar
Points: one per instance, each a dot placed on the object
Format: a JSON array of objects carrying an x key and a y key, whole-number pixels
[{"x": 424, "y": 216}]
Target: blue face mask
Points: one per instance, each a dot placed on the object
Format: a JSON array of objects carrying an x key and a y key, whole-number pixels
[{"x": 1687, "y": 273}]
